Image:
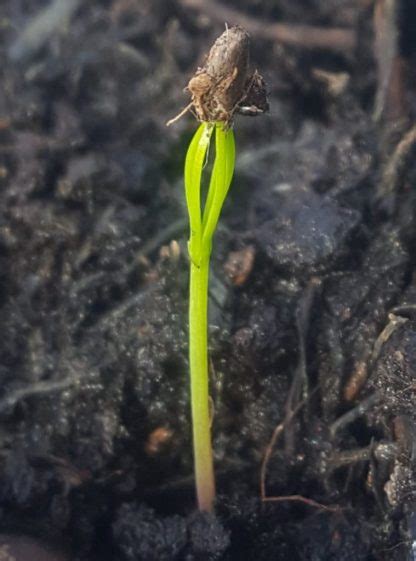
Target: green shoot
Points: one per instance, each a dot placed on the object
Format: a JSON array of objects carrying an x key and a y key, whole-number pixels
[{"x": 203, "y": 223}]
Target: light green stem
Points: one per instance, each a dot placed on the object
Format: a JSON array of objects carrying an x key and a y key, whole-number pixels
[
  {"x": 198, "y": 358},
  {"x": 202, "y": 228}
]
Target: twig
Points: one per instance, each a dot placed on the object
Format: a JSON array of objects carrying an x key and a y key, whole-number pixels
[
  {"x": 269, "y": 449},
  {"x": 300, "y": 380},
  {"x": 382, "y": 451},
  {"x": 354, "y": 413},
  {"x": 386, "y": 51},
  {"x": 263, "y": 469},
  {"x": 49, "y": 21},
  {"x": 179, "y": 115},
  {"x": 301, "y": 499},
  {"x": 395, "y": 322},
  {"x": 308, "y": 37},
  {"x": 364, "y": 368},
  {"x": 398, "y": 164},
  {"x": 39, "y": 388}
]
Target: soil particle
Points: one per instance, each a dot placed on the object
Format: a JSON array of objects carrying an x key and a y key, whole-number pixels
[
  {"x": 358, "y": 302},
  {"x": 339, "y": 540},
  {"x": 143, "y": 536},
  {"x": 208, "y": 538},
  {"x": 394, "y": 375},
  {"x": 308, "y": 235},
  {"x": 401, "y": 484}
]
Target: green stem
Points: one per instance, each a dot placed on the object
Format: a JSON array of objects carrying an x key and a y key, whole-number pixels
[
  {"x": 203, "y": 223},
  {"x": 198, "y": 358}
]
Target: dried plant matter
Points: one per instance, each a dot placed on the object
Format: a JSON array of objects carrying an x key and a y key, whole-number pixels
[{"x": 224, "y": 85}]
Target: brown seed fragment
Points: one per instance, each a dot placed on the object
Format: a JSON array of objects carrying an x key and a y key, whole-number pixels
[
  {"x": 239, "y": 265},
  {"x": 356, "y": 382},
  {"x": 224, "y": 85},
  {"x": 255, "y": 99},
  {"x": 157, "y": 440}
]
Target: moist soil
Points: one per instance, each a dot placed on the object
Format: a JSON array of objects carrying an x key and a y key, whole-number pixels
[{"x": 312, "y": 296}]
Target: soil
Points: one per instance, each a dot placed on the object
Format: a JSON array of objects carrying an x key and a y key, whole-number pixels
[{"x": 312, "y": 297}]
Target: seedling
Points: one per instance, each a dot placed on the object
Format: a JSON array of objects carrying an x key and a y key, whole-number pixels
[
  {"x": 202, "y": 228},
  {"x": 219, "y": 90}
]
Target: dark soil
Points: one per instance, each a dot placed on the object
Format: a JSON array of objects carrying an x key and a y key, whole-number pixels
[{"x": 317, "y": 331}]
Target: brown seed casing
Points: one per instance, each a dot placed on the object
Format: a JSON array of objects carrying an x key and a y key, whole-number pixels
[
  {"x": 230, "y": 51},
  {"x": 255, "y": 100},
  {"x": 218, "y": 87},
  {"x": 223, "y": 85}
]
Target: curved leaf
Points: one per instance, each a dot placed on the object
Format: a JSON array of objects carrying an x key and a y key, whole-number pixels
[
  {"x": 222, "y": 174},
  {"x": 194, "y": 162}
]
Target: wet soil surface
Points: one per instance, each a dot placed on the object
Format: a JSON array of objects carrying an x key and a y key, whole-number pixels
[{"x": 312, "y": 301}]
